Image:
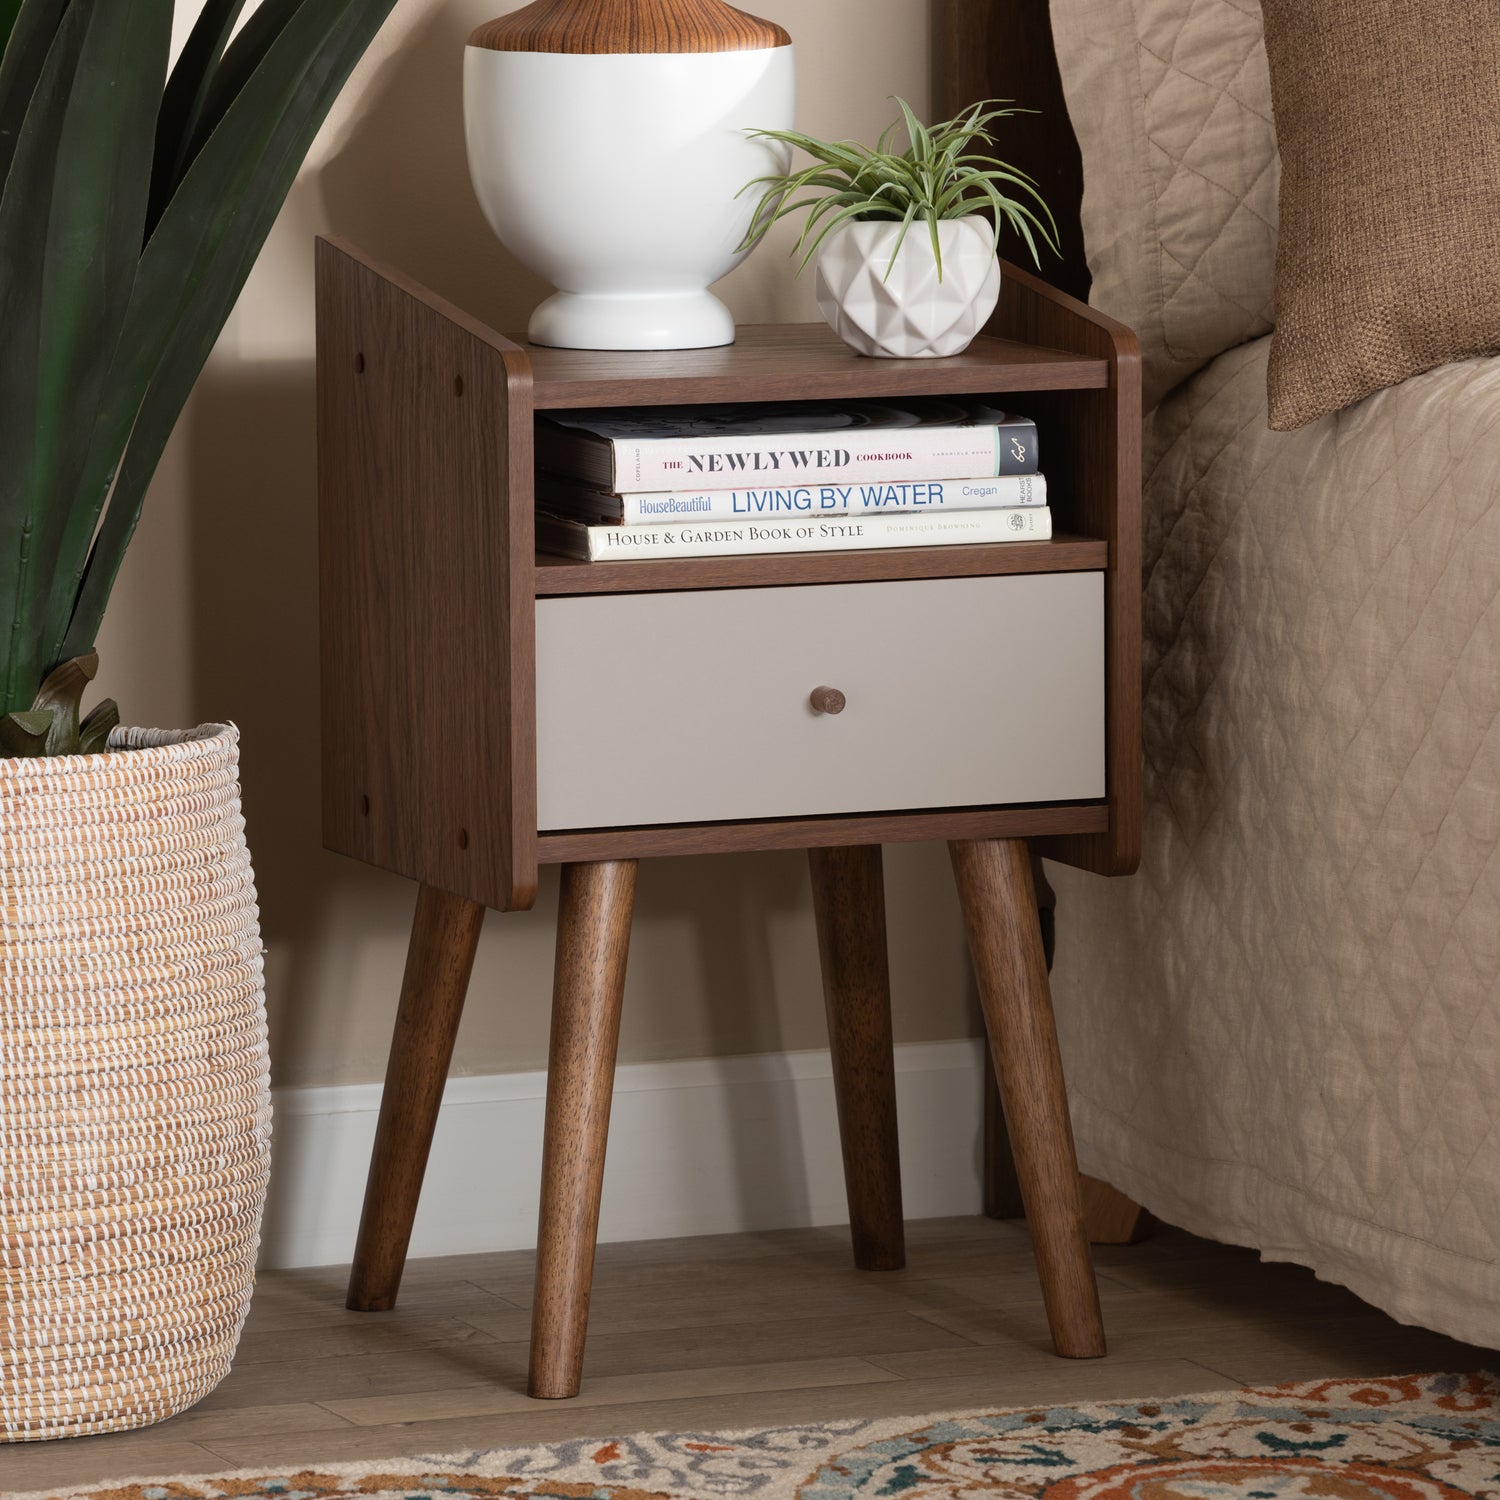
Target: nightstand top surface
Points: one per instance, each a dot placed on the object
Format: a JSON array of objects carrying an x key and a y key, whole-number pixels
[{"x": 795, "y": 361}]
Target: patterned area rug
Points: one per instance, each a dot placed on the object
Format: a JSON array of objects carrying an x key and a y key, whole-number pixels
[{"x": 1411, "y": 1437}]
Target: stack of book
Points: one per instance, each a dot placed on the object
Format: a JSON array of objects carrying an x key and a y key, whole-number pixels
[{"x": 810, "y": 476}]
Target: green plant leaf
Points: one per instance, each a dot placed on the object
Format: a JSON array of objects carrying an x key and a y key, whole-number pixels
[
  {"x": 9, "y": 9},
  {"x": 1005, "y": 211},
  {"x": 200, "y": 254},
  {"x": 242, "y": 57},
  {"x": 916, "y": 132},
  {"x": 23, "y": 254},
  {"x": 930, "y": 214},
  {"x": 61, "y": 698},
  {"x": 831, "y": 204},
  {"x": 23, "y": 53},
  {"x": 844, "y": 216},
  {"x": 982, "y": 163},
  {"x": 93, "y": 733},
  {"x": 937, "y": 177},
  {"x": 183, "y": 101},
  {"x": 1024, "y": 230},
  {"x": 906, "y": 218},
  {"x": 845, "y": 154},
  {"x": 70, "y": 229},
  {"x": 24, "y": 733}
]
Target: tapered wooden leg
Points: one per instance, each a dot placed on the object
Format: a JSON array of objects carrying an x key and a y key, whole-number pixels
[
  {"x": 593, "y": 938},
  {"x": 849, "y": 904},
  {"x": 999, "y": 904},
  {"x": 444, "y": 935},
  {"x": 1109, "y": 1217},
  {"x": 1002, "y": 1188}
]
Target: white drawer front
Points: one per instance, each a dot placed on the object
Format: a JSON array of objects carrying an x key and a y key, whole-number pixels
[{"x": 693, "y": 707}]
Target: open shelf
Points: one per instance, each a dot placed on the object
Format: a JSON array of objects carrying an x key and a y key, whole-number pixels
[
  {"x": 805, "y": 362},
  {"x": 795, "y": 362},
  {"x": 1063, "y": 554}
]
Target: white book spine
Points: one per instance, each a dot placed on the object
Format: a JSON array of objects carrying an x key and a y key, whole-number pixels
[
  {"x": 893, "y": 453},
  {"x": 798, "y": 502},
  {"x": 841, "y": 534}
]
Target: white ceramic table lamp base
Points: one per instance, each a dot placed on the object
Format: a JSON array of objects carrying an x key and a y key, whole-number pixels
[{"x": 614, "y": 173}]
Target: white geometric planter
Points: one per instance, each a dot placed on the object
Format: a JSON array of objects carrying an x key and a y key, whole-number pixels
[{"x": 910, "y": 313}]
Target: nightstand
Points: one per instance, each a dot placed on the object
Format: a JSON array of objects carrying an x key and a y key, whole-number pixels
[{"x": 486, "y": 710}]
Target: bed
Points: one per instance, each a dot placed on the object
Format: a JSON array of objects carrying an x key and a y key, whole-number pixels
[{"x": 1284, "y": 1031}]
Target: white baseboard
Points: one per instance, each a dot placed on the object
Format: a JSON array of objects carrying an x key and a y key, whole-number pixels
[{"x": 706, "y": 1146}]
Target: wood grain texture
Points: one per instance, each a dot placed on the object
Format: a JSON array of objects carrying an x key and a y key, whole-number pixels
[
  {"x": 799, "y": 362},
  {"x": 999, "y": 905},
  {"x": 849, "y": 908},
  {"x": 822, "y": 833},
  {"x": 1110, "y": 1218},
  {"x": 439, "y": 958},
  {"x": 594, "y": 26},
  {"x": 1063, "y": 554},
  {"x": 769, "y": 1328},
  {"x": 393, "y": 610},
  {"x": 593, "y": 939},
  {"x": 425, "y": 558},
  {"x": 984, "y": 50},
  {"x": 1094, "y": 488},
  {"x": 1000, "y": 1186}
]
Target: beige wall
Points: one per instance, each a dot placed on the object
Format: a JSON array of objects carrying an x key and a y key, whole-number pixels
[{"x": 215, "y": 615}]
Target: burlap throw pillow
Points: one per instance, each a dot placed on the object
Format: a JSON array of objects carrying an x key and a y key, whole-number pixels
[{"x": 1388, "y": 120}]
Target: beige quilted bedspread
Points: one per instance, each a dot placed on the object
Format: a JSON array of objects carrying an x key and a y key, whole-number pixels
[{"x": 1285, "y": 1030}]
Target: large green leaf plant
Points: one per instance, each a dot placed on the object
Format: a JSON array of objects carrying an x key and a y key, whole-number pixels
[{"x": 133, "y": 203}]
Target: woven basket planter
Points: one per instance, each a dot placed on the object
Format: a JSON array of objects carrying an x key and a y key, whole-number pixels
[{"x": 135, "y": 1111}]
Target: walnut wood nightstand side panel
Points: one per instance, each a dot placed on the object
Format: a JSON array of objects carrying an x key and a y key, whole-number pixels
[
  {"x": 1091, "y": 454},
  {"x": 426, "y": 588}
]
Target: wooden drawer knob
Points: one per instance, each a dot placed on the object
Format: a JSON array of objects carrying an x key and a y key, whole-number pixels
[{"x": 826, "y": 700}]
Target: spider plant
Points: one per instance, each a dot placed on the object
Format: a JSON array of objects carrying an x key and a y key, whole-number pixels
[
  {"x": 938, "y": 176},
  {"x": 133, "y": 203}
]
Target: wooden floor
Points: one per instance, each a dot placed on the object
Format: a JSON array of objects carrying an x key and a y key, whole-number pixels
[{"x": 736, "y": 1331}]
